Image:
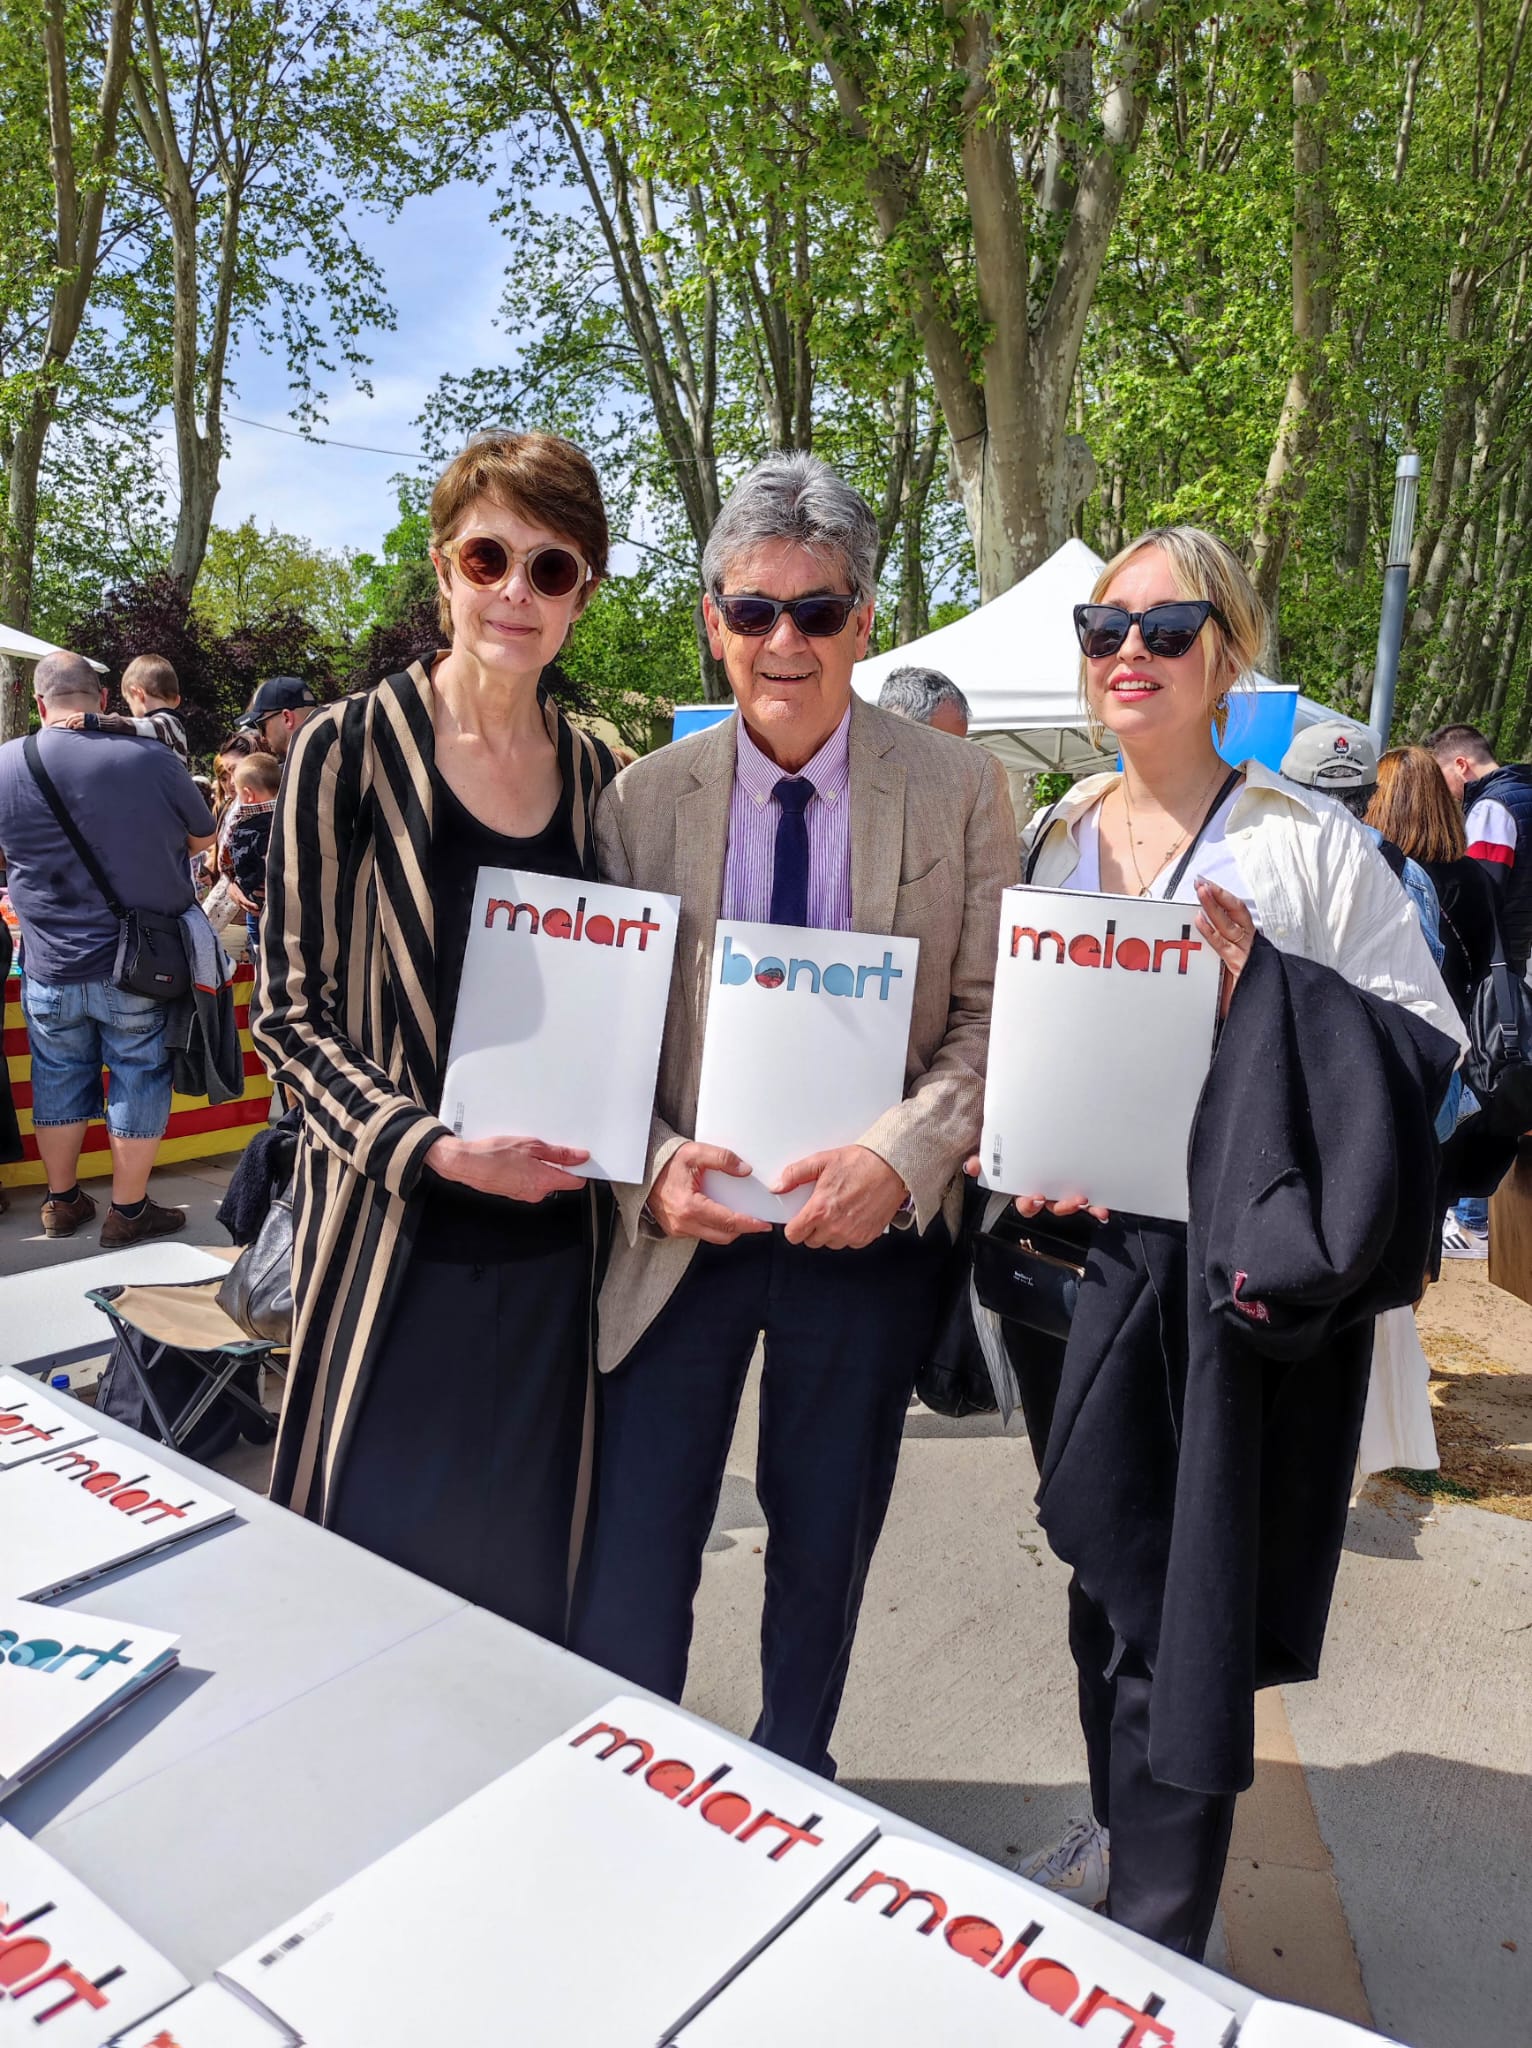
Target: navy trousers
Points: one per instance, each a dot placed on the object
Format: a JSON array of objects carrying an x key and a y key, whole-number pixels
[{"x": 845, "y": 1334}]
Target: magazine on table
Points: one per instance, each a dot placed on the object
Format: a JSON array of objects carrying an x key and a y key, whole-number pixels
[
  {"x": 916, "y": 1943},
  {"x": 1269, "y": 2024},
  {"x": 212, "y": 2016},
  {"x": 34, "y": 1421},
  {"x": 807, "y": 1040},
  {"x": 71, "y": 1515},
  {"x": 71, "y": 1972},
  {"x": 560, "y": 1014},
  {"x": 64, "y": 1674},
  {"x": 599, "y": 1892},
  {"x": 1100, "y": 1040}
]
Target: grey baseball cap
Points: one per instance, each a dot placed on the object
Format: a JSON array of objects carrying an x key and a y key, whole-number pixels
[{"x": 1332, "y": 756}]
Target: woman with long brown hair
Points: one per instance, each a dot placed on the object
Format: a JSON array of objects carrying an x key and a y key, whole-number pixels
[{"x": 1414, "y": 807}]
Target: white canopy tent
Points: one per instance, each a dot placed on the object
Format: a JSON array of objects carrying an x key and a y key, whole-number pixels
[
  {"x": 27, "y": 647},
  {"x": 1017, "y": 662}
]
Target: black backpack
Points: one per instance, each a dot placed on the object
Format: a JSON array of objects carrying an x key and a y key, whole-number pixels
[
  {"x": 1498, "y": 1066},
  {"x": 176, "y": 1379}
]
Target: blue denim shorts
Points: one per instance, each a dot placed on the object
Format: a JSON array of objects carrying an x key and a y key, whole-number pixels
[{"x": 75, "y": 1029}]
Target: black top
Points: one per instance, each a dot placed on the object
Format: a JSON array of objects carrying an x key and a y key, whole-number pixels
[
  {"x": 459, "y": 1223},
  {"x": 1466, "y": 896}
]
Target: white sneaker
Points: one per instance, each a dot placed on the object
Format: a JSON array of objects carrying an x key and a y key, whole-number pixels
[
  {"x": 1458, "y": 1243},
  {"x": 1078, "y": 1866}
]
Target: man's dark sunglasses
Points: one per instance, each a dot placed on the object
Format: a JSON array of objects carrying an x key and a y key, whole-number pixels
[
  {"x": 817, "y": 618},
  {"x": 1166, "y": 629}
]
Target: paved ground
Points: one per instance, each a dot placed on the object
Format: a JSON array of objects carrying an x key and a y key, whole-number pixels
[
  {"x": 197, "y": 1189},
  {"x": 1382, "y": 1864}
]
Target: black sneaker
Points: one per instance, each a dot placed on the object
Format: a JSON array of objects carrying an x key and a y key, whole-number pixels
[
  {"x": 63, "y": 1219},
  {"x": 119, "y": 1231}
]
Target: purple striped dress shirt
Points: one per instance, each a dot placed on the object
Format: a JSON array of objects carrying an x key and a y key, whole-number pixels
[{"x": 753, "y": 817}]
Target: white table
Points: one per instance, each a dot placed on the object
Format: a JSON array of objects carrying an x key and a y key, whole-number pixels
[
  {"x": 328, "y": 1705},
  {"x": 45, "y": 1320}
]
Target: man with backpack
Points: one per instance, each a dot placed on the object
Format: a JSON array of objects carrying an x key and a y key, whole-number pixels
[
  {"x": 138, "y": 811},
  {"x": 1497, "y": 816}
]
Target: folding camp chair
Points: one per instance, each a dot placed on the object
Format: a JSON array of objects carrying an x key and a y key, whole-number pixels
[{"x": 184, "y": 1318}]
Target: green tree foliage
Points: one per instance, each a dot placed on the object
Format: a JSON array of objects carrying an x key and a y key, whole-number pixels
[
  {"x": 217, "y": 671},
  {"x": 102, "y": 518},
  {"x": 1323, "y": 261},
  {"x": 690, "y": 286},
  {"x": 248, "y": 575},
  {"x": 62, "y": 74},
  {"x": 633, "y": 656},
  {"x": 1017, "y": 271},
  {"x": 400, "y": 583},
  {"x": 255, "y": 123}
]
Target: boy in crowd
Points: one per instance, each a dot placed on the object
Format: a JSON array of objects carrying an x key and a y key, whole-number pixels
[
  {"x": 151, "y": 690},
  {"x": 256, "y": 781}
]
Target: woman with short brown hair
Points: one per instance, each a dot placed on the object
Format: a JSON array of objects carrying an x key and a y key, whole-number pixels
[{"x": 436, "y": 1401}]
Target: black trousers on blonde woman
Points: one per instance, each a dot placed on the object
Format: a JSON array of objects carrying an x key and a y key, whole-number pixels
[{"x": 1168, "y": 1845}]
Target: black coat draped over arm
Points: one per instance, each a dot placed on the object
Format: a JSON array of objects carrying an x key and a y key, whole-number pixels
[{"x": 1198, "y": 1464}]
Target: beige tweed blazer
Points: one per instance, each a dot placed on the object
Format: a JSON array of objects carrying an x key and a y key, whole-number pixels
[{"x": 933, "y": 843}]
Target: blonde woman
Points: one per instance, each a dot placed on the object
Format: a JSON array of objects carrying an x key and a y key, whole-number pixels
[{"x": 1173, "y": 627}]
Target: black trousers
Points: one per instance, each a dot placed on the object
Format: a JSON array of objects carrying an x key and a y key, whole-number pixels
[
  {"x": 845, "y": 1334},
  {"x": 1169, "y": 1846},
  {"x": 465, "y": 1458}
]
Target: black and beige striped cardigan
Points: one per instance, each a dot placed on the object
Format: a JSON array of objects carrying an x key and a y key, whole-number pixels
[{"x": 345, "y": 1017}]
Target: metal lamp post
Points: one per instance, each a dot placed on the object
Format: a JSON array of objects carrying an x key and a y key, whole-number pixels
[{"x": 1396, "y": 590}]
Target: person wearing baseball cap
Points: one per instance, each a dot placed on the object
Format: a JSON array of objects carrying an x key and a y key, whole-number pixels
[
  {"x": 1338, "y": 760},
  {"x": 275, "y": 712},
  {"x": 1341, "y": 760}
]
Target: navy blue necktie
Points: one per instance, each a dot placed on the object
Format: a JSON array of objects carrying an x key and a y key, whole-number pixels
[{"x": 790, "y": 874}]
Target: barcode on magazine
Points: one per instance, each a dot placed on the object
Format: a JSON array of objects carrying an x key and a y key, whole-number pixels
[{"x": 292, "y": 1941}]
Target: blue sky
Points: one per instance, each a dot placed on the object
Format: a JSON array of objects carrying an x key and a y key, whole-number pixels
[{"x": 443, "y": 263}]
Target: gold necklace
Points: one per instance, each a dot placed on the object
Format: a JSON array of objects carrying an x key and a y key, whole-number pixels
[{"x": 1175, "y": 846}]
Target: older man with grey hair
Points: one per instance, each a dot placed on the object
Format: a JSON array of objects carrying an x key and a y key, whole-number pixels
[
  {"x": 139, "y": 814},
  {"x": 927, "y": 696},
  {"x": 810, "y": 807}
]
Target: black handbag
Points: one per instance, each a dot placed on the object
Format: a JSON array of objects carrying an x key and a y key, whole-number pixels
[
  {"x": 1498, "y": 1064},
  {"x": 1024, "y": 1274},
  {"x": 955, "y": 1380},
  {"x": 151, "y": 955},
  {"x": 258, "y": 1293},
  {"x": 1033, "y": 1279}
]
